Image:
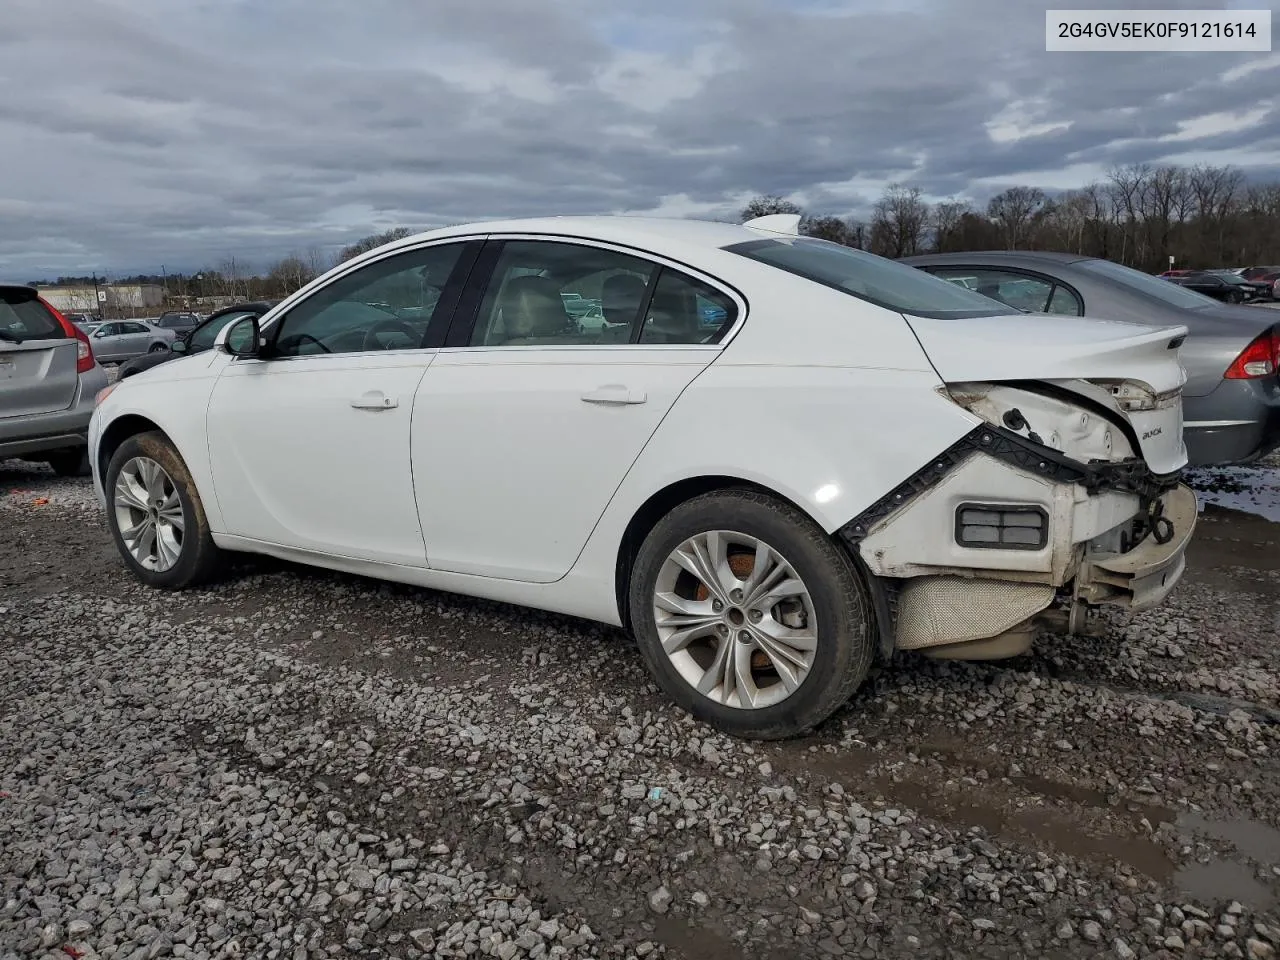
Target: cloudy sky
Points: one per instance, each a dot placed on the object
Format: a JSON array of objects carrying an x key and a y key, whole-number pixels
[{"x": 137, "y": 133}]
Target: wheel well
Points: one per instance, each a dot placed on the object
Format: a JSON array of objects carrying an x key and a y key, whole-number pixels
[
  {"x": 666, "y": 499},
  {"x": 657, "y": 507},
  {"x": 117, "y": 433}
]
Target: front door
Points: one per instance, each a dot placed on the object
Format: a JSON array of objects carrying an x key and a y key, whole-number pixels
[
  {"x": 310, "y": 443},
  {"x": 523, "y": 431}
]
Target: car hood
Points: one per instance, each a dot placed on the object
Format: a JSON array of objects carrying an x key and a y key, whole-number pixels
[{"x": 1041, "y": 346}]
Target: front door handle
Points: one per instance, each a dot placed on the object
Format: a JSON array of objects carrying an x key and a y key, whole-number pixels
[
  {"x": 614, "y": 393},
  {"x": 374, "y": 400}
]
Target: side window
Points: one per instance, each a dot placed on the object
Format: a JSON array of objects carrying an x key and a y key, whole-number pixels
[
  {"x": 1065, "y": 302},
  {"x": 136, "y": 328},
  {"x": 108, "y": 329},
  {"x": 386, "y": 305},
  {"x": 1011, "y": 289},
  {"x": 685, "y": 310},
  {"x": 548, "y": 293}
]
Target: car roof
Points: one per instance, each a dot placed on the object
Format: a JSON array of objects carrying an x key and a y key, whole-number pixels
[
  {"x": 999, "y": 256},
  {"x": 627, "y": 230}
]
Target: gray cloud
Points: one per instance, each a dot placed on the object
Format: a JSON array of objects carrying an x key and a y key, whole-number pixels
[{"x": 139, "y": 132}]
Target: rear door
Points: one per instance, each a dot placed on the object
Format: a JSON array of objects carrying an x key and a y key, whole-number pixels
[
  {"x": 37, "y": 359},
  {"x": 528, "y": 420}
]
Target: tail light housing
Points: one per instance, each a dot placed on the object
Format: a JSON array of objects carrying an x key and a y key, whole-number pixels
[
  {"x": 1261, "y": 358},
  {"x": 84, "y": 351}
]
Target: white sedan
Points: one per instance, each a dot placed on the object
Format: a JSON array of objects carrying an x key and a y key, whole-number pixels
[{"x": 852, "y": 458}]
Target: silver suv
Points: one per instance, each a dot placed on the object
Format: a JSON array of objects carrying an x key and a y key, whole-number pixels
[{"x": 48, "y": 381}]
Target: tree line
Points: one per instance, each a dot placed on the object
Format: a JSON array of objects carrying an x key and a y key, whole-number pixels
[
  {"x": 232, "y": 277},
  {"x": 1203, "y": 216}
]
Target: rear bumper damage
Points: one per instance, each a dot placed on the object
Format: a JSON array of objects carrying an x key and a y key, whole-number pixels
[{"x": 1089, "y": 534}]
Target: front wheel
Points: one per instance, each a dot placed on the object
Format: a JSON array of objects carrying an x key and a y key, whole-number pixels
[
  {"x": 749, "y": 617},
  {"x": 156, "y": 516}
]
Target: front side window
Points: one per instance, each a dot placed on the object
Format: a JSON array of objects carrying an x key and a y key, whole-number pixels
[
  {"x": 387, "y": 305},
  {"x": 548, "y": 293},
  {"x": 886, "y": 283}
]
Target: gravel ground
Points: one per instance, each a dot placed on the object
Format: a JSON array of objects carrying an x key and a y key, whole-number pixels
[{"x": 301, "y": 764}]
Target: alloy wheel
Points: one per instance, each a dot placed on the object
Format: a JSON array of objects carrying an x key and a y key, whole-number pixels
[
  {"x": 735, "y": 619},
  {"x": 149, "y": 514}
]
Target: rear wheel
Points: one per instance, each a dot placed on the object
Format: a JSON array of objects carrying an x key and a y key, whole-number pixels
[
  {"x": 156, "y": 517},
  {"x": 157, "y": 348},
  {"x": 70, "y": 463},
  {"x": 749, "y": 617}
]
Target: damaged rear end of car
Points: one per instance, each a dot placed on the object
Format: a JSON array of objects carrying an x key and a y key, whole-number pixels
[{"x": 1065, "y": 496}]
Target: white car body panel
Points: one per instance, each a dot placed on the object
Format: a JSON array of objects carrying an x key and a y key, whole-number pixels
[
  {"x": 491, "y": 476},
  {"x": 521, "y": 505},
  {"x": 295, "y": 463}
]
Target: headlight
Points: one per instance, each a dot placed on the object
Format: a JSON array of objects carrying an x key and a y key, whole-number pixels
[{"x": 104, "y": 393}]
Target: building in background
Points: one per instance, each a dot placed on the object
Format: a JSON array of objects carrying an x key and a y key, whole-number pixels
[{"x": 114, "y": 299}]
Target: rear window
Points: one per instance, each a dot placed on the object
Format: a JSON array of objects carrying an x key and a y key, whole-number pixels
[
  {"x": 866, "y": 276},
  {"x": 1144, "y": 283},
  {"x": 24, "y": 317}
]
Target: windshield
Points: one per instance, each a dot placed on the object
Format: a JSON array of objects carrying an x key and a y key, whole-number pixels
[
  {"x": 1148, "y": 285},
  {"x": 894, "y": 286}
]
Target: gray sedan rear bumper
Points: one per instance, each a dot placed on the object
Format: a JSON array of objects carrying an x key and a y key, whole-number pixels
[{"x": 1238, "y": 422}]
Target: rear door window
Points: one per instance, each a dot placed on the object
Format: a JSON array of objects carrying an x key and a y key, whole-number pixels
[{"x": 23, "y": 317}]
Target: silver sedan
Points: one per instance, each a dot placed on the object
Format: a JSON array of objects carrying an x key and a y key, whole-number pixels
[{"x": 118, "y": 340}]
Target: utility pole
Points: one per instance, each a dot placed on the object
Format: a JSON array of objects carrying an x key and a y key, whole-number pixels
[
  {"x": 165, "y": 277},
  {"x": 96, "y": 296}
]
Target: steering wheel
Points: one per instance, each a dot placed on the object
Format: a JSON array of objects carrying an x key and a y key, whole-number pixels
[{"x": 371, "y": 341}]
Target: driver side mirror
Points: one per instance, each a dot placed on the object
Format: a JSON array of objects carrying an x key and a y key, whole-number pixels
[
  {"x": 99, "y": 333},
  {"x": 178, "y": 346},
  {"x": 241, "y": 339}
]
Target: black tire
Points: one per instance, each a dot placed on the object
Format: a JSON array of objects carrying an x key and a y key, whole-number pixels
[
  {"x": 846, "y": 634},
  {"x": 70, "y": 463},
  {"x": 157, "y": 348},
  {"x": 199, "y": 559}
]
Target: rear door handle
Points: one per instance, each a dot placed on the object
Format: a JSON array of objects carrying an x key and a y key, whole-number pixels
[
  {"x": 374, "y": 400},
  {"x": 614, "y": 393}
]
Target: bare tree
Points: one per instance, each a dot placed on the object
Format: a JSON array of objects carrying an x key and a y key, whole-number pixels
[
  {"x": 898, "y": 222},
  {"x": 372, "y": 242},
  {"x": 827, "y": 228},
  {"x": 286, "y": 276},
  {"x": 947, "y": 217},
  {"x": 1216, "y": 190},
  {"x": 768, "y": 205},
  {"x": 1015, "y": 210}
]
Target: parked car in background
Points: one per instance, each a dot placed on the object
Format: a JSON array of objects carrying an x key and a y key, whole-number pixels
[
  {"x": 1232, "y": 399},
  {"x": 48, "y": 381},
  {"x": 1225, "y": 287},
  {"x": 178, "y": 321},
  {"x": 1257, "y": 273},
  {"x": 118, "y": 340},
  {"x": 196, "y": 340},
  {"x": 81, "y": 319},
  {"x": 1258, "y": 288},
  {"x": 868, "y": 459}
]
